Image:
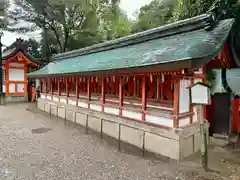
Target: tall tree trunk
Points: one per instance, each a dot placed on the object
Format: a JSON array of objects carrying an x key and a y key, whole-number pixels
[{"x": 46, "y": 46}]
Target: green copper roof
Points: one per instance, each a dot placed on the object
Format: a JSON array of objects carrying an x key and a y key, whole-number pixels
[{"x": 193, "y": 45}]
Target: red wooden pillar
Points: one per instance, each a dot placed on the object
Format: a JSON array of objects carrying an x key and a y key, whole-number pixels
[
  {"x": 204, "y": 71},
  {"x": 138, "y": 87},
  {"x": 59, "y": 88},
  {"x": 77, "y": 90},
  {"x": 161, "y": 90},
  {"x": 144, "y": 97},
  {"x": 113, "y": 85},
  {"x": 120, "y": 96},
  {"x": 51, "y": 87},
  {"x": 134, "y": 86},
  {"x": 191, "y": 105},
  {"x": 235, "y": 107},
  {"x": 176, "y": 103},
  {"x": 158, "y": 88},
  {"x": 89, "y": 91},
  {"x": 67, "y": 86},
  {"x": 103, "y": 93},
  {"x": 41, "y": 86},
  {"x": 46, "y": 82}
]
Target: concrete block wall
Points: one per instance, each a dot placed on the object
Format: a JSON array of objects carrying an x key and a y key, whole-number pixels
[{"x": 172, "y": 143}]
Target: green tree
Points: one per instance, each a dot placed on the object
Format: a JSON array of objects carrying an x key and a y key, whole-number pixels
[
  {"x": 66, "y": 20},
  {"x": 190, "y": 8},
  {"x": 115, "y": 24},
  {"x": 3, "y": 4},
  {"x": 155, "y": 14},
  {"x": 7, "y": 22},
  {"x": 220, "y": 9},
  {"x": 31, "y": 46}
]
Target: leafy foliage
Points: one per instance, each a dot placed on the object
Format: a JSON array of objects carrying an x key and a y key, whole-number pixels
[
  {"x": 70, "y": 22},
  {"x": 30, "y": 45},
  {"x": 3, "y": 5},
  {"x": 155, "y": 14}
]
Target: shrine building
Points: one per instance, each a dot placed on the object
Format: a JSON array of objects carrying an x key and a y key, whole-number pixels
[
  {"x": 16, "y": 64},
  {"x": 136, "y": 88}
]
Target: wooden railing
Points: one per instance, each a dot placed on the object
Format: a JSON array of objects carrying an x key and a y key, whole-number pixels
[{"x": 160, "y": 114}]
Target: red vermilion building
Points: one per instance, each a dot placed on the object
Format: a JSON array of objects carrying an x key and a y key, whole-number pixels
[
  {"x": 16, "y": 64},
  {"x": 135, "y": 88}
]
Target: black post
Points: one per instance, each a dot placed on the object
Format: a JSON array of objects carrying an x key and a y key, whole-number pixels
[{"x": 2, "y": 94}]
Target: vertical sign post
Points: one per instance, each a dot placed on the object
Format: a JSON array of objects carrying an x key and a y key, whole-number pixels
[{"x": 200, "y": 96}]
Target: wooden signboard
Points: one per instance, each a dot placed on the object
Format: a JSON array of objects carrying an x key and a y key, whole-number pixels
[{"x": 200, "y": 94}]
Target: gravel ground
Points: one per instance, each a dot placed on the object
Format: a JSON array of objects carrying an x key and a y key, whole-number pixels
[{"x": 66, "y": 152}]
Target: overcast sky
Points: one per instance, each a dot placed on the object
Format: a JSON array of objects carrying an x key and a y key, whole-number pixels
[{"x": 130, "y": 6}]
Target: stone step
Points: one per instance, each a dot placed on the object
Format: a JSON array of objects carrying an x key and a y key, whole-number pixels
[{"x": 235, "y": 140}]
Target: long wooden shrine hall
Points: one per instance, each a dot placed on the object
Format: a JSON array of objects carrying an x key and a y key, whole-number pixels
[{"x": 136, "y": 88}]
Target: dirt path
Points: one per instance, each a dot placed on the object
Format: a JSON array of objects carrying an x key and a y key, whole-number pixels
[{"x": 33, "y": 146}]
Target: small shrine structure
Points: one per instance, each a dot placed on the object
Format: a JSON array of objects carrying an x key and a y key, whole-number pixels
[
  {"x": 16, "y": 64},
  {"x": 136, "y": 88}
]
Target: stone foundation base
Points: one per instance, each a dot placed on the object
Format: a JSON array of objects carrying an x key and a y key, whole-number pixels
[
  {"x": 2, "y": 98},
  {"x": 173, "y": 143},
  {"x": 16, "y": 98}
]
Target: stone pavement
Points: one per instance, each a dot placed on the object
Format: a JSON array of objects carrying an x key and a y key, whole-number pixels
[{"x": 35, "y": 146}]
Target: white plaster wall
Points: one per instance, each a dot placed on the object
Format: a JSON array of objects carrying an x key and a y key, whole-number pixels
[
  {"x": 197, "y": 80},
  {"x": 83, "y": 104},
  {"x": 72, "y": 102},
  {"x": 200, "y": 71},
  {"x": 44, "y": 87},
  {"x": 20, "y": 87},
  {"x": 159, "y": 120},
  {"x": 184, "y": 99},
  {"x": 4, "y": 88},
  {"x": 184, "y": 122},
  {"x": 16, "y": 64},
  {"x": 37, "y": 83},
  {"x": 132, "y": 115},
  {"x": 55, "y": 98},
  {"x": 16, "y": 74},
  {"x": 49, "y": 97},
  {"x": 95, "y": 107},
  {"x": 11, "y": 88},
  {"x": 63, "y": 100},
  {"x": 43, "y": 96},
  {"x": 109, "y": 110}
]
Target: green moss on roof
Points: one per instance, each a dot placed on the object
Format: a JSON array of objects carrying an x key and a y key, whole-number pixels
[{"x": 185, "y": 46}]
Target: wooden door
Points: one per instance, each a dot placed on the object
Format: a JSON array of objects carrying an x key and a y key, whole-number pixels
[{"x": 222, "y": 113}]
